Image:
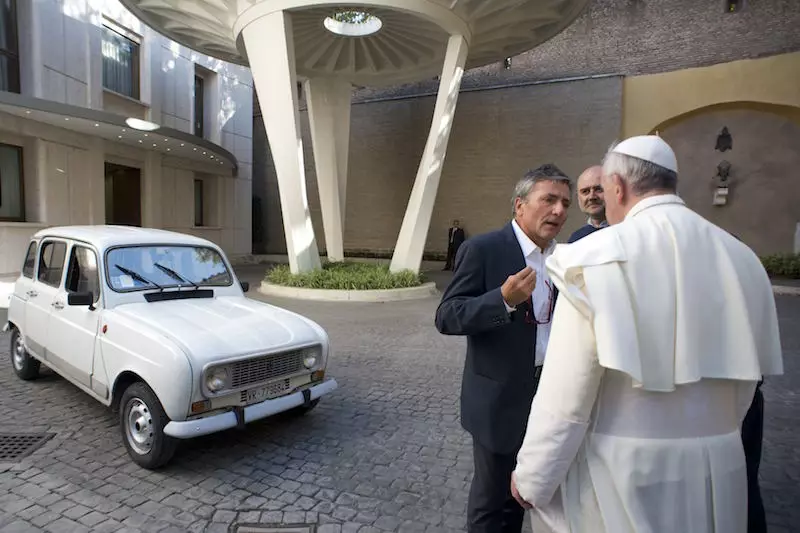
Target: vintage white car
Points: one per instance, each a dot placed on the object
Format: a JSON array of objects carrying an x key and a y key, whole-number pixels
[{"x": 156, "y": 325}]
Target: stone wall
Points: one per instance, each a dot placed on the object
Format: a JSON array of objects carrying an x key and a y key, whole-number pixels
[
  {"x": 764, "y": 196},
  {"x": 632, "y": 37}
]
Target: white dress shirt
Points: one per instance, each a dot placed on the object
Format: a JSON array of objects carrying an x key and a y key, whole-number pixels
[{"x": 543, "y": 293}]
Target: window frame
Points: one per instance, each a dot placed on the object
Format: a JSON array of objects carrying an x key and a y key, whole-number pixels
[
  {"x": 202, "y": 211},
  {"x": 42, "y": 246},
  {"x": 11, "y": 54},
  {"x": 136, "y": 58},
  {"x": 199, "y": 104},
  {"x": 35, "y": 245},
  {"x": 20, "y": 165},
  {"x": 68, "y": 265}
]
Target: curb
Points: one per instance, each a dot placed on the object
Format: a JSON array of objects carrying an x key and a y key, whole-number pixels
[
  {"x": 425, "y": 290},
  {"x": 786, "y": 290}
]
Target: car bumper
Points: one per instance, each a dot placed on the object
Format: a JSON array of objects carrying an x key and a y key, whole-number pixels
[{"x": 212, "y": 424}]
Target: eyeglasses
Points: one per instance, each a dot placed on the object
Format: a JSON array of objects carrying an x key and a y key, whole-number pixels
[{"x": 530, "y": 317}]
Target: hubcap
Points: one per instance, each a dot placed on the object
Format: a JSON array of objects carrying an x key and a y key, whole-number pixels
[
  {"x": 139, "y": 426},
  {"x": 19, "y": 353}
]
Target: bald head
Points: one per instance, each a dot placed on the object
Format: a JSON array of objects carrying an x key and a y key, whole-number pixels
[{"x": 590, "y": 194}]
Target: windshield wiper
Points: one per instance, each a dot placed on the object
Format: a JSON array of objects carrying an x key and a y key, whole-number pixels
[
  {"x": 176, "y": 276},
  {"x": 135, "y": 275}
]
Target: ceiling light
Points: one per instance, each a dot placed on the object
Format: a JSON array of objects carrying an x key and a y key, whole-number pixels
[
  {"x": 168, "y": 149},
  {"x": 97, "y": 125},
  {"x": 28, "y": 112},
  {"x": 146, "y": 135},
  {"x": 119, "y": 136},
  {"x": 154, "y": 145},
  {"x": 351, "y": 23},
  {"x": 182, "y": 144},
  {"x": 66, "y": 118},
  {"x": 140, "y": 141},
  {"x": 139, "y": 124}
]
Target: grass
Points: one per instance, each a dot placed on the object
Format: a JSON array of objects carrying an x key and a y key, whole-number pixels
[
  {"x": 347, "y": 275},
  {"x": 782, "y": 265}
]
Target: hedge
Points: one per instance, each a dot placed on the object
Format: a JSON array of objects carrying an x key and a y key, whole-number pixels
[
  {"x": 346, "y": 275},
  {"x": 782, "y": 265}
]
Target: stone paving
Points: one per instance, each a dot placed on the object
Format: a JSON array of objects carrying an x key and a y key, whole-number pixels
[{"x": 385, "y": 452}]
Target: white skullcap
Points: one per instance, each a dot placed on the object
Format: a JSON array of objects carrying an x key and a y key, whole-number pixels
[{"x": 650, "y": 148}]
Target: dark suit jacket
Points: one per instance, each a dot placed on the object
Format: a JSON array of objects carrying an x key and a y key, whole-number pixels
[
  {"x": 582, "y": 232},
  {"x": 498, "y": 382},
  {"x": 458, "y": 238}
]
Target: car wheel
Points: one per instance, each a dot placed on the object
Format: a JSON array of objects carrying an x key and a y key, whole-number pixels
[
  {"x": 25, "y": 366},
  {"x": 142, "y": 421}
]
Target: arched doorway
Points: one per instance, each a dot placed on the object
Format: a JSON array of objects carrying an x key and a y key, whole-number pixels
[{"x": 763, "y": 202}]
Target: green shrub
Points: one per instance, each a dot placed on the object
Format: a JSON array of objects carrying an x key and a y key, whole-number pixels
[
  {"x": 346, "y": 276},
  {"x": 782, "y": 265}
]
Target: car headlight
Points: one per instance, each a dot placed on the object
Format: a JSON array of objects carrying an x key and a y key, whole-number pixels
[
  {"x": 310, "y": 359},
  {"x": 217, "y": 379}
]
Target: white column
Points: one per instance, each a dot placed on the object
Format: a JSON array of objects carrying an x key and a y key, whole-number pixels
[
  {"x": 269, "y": 40},
  {"x": 329, "y": 117},
  {"x": 414, "y": 231}
]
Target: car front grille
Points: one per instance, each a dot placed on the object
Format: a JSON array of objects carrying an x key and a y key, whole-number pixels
[{"x": 261, "y": 369}]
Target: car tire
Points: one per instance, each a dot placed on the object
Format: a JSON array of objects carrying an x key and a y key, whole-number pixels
[
  {"x": 25, "y": 366},
  {"x": 142, "y": 421}
]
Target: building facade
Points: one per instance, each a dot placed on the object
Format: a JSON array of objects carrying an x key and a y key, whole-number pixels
[
  {"x": 688, "y": 70},
  {"x": 105, "y": 121}
]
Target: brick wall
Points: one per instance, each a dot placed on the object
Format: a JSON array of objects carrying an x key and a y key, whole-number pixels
[
  {"x": 497, "y": 135},
  {"x": 631, "y": 37}
]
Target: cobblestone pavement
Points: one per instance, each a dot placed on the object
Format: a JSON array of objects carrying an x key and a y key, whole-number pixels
[{"x": 385, "y": 452}]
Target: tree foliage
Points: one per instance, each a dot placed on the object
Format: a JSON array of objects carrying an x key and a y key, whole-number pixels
[{"x": 352, "y": 17}]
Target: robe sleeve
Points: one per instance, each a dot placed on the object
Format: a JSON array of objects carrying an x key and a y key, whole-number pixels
[{"x": 562, "y": 407}]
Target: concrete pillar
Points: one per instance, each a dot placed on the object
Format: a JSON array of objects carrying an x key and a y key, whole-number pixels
[
  {"x": 269, "y": 40},
  {"x": 414, "y": 231},
  {"x": 329, "y": 117},
  {"x": 152, "y": 193},
  {"x": 97, "y": 180}
]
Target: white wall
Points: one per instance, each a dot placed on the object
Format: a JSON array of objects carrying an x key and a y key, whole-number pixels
[{"x": 61, "y": 60}]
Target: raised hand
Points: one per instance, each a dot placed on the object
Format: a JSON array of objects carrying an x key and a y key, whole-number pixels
[{"x": 519, "y": 287}]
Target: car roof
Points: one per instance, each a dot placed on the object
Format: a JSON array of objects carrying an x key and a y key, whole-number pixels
[{"x": 106, "y": 236}]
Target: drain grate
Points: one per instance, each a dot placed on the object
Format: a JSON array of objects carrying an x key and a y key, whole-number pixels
[
  {"x": 255, "y": 528},
  {"x": 16, "y": 446}
]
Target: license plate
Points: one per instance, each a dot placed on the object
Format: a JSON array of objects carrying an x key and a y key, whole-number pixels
[{"x": 265, "y": 393}]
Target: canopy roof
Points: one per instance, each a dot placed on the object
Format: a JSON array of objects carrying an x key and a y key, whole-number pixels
[{"x": 409, "y": 45}]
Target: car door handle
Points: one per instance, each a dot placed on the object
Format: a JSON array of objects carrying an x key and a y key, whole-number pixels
[
  {"x": 32, "y": 294},
  {"x": 58, "y": 305}
]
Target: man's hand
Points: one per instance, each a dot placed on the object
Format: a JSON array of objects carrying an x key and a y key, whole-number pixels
[
  {"x": 515, "y": 494},
  {"x": 519, "y": 287}
]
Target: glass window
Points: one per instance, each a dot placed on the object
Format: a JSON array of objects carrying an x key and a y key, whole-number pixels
[
  {"x": 198, "y": 105},
  {"x": 51, "y": 262},
  {"x": 199, "y": 203},
  {"x": 12, "y": 204},
  {"x": 9, "y": 47},
  {"x": 132, "y": 268},
  {"x": 120, "y": 63},
  {"x": 30, "y": 261},
  {"x": 82, "y": 275}
]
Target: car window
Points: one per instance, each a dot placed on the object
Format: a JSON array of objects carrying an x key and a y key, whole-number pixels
[
  {"x": 30, "y": 260},
  {"x": 51, "y": 262},
  {"x": 82, "y": 275},
  {"x": 146, "y": 267}
]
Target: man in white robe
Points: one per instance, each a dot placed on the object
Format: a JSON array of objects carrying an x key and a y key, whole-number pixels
[{"x": 664, "y": 325}]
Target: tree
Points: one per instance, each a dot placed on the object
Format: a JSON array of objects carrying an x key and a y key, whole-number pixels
[{"x": 352, "y": 17}]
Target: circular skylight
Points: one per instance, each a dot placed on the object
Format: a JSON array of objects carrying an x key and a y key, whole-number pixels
[{"x": 353, "y": 23}]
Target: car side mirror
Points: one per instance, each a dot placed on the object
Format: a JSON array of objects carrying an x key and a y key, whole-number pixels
[
  {"x": 245, "y": 285},
  {"x": 81, "y": 299}
]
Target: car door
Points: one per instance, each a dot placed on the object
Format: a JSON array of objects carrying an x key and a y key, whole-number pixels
[
  {"x": 42, "y": 296},
  {"x": 72, "y": 330}
]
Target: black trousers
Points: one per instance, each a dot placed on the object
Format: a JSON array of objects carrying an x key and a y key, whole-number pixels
[
  {"x": 752, "y": 434},
  {"x": 491, "y": 508}
]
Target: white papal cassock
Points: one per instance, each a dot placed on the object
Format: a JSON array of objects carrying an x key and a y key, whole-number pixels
[{"x": 663, "y": 326}]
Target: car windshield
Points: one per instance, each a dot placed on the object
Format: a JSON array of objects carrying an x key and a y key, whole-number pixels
[{"x": 154, "y": 267}]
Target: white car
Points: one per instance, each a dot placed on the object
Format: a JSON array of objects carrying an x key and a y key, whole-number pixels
[{"x": 155, "y": 324}]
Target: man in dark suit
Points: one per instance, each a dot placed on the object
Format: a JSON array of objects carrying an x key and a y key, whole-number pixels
[
  {"x": 455, "y": 238},
  {"x": 501, "y": 299},
  {"x": 591, "y": 202}
]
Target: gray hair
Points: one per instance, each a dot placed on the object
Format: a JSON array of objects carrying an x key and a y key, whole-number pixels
[
  {"x": 643, "y": 176},
  {"x": 546, "y": 172}
]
